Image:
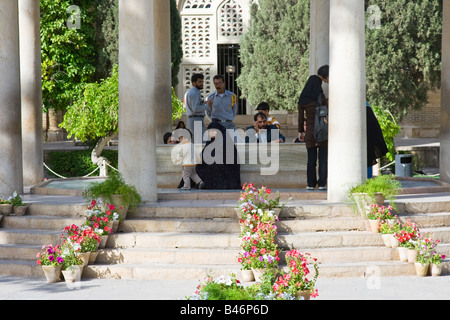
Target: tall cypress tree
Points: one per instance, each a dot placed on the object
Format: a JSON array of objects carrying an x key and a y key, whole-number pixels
[
  {"x": 274, "y": 53},
  {"x": 403, "y": 53}
]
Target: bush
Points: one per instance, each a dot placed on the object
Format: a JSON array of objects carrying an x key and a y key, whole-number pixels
[{"x": 76, "y": 163}]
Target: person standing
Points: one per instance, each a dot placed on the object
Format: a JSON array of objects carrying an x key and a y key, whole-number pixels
[
  {"x": 307, "y": 109},
  {"x": 224, "y": 104},
  {"x": 195, "y": 107}
]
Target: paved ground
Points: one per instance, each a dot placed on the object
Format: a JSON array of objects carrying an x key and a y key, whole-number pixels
[{"x": 372, "y": 288}]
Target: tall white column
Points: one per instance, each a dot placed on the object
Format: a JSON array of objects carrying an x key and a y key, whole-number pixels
[
  {"x": 137, "y": 96},
  {"x": 347, "y": 154},
  {"x": 163, "y": 78},
  {"x": 11, "y": 178},
  {"x": 319, "y": 49},
  {"x": 444, "y": 165},
  {"x": 30, "y": 61}
]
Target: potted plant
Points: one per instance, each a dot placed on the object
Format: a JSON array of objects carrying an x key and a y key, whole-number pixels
[
  {"x": 297, "y": 281},
  {"x": 387, "y": 230},
  {"x": 252, "y": 199},
  {"x": 114, "y": 190},
  {"x": 19, "y": 207},
  {"x": 374, "y": 191},
  {"x": 101, "y": 221},
  {"x": 436, "y": 263},
  {"x": 6, "y": 207},
  {"x": 422, "y": 263},
  {"x": 378, "y": 214},
  {"x": 406, "y": 237},
  {"x": 51, "y": 261},
  {"x": 72, "y": 266}
]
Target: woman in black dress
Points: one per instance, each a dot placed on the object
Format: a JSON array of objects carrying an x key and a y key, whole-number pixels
[{"x": 218, "y": 170}]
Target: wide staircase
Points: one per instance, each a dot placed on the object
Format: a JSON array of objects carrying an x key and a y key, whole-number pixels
[{"x": 192, "y": 237}]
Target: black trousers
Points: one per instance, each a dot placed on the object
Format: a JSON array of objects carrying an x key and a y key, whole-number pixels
[{"x": 320, "y": 154}]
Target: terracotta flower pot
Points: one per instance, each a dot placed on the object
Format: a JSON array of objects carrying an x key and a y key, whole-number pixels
[
  {"x": 305, "y": 294},
  {"x": 6, "y": 209},
  {"x": 412, "y": 255},
  {"x": 20, "y": 210},
  {"x": 375, "y": 226},
  {"x": 248, "y": 276},
  {"x": 421, "y": 269},
  {"x": 403, "y": 253},
  {"x": 436, "y": 270},
  {"x": 387, "y": 240},
  {"x": 52, "y": 273}
]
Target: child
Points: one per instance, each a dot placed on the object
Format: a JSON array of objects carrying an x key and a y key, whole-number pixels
[
  {"x": 184, "y": 153},
  {"x": 264, "y": 108}
]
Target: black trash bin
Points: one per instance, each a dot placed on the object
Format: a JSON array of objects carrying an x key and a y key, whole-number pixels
[{"x": 404, "y": 165}]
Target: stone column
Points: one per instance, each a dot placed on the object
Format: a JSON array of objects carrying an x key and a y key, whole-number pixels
[
  {"x": 137, "y": 96},
  {"x": 11, "y": 178},
  {"x": 163, "y": 78},
  {"x": 347, "y": 154},
  {"x": 319, "y": 49},
  {"x": 444, "y": 165},
  {"x": 30, "y": 61}
]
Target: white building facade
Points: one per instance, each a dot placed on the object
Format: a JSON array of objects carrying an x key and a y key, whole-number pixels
[{"x": 211, "y": 31}]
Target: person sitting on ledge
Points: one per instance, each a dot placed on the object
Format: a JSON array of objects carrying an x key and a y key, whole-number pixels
[{"x": 261, "y": 132}]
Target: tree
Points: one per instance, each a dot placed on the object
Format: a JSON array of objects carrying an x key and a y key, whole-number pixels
[
  {"x": 274, "y": 53},
  {"x": 94, "y": 117},
  {"x": 403, "y": 53},
  {"x": 175, "y": 41},
  {"x": 67, "y": 49}
]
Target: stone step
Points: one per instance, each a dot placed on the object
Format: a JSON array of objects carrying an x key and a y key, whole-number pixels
[{"x": 154, "y": 271}]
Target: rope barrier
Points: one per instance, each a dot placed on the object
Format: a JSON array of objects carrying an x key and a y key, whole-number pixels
[
  {"x": 85, "y": 176},
  {"x": 54, "y": 172},
  {"x": 111, "y": 166}
]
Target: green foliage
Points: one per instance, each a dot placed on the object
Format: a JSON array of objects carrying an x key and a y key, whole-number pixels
[
  {"x": 390, "y": 129},
  {"x": 177, "y": 107},
  {"x": 16, "y": 200},
  {"x": 274, "y": 53},
  {"x": 67, "y": 53},
  {"x": 175, "y": 41},
  {"x": 77, "y": 163},
  {"x": 113, "y": 185},
  {"x": 106, "y": 37},
  {"x": 403, "y": 55},
  {"x": 96, "y": 113},
  {"x": 385, "y": 184}
]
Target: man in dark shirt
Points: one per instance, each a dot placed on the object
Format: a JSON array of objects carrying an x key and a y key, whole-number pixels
[{"x": 307, "y": 109}]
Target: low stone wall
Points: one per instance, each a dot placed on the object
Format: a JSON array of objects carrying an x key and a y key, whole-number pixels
[{"x": 277, "y": 166}]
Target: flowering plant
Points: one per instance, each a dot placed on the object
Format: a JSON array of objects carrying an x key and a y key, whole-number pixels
[
  {"x": 259, "y": 249},
  {"x": 70, "y": 256},
  {"x": 389, "y": 228},
  {"x": 100, "y": 220},
  {"x": 436, "y": 258},
  {"x": 296, "y": 280},
  {"x": 16, "y": 200},
  {"x": 408, "y": 231},
  {"x": 253, "y": 199},
  {"x": 50, "y": 256},
  {"x": 82, "y": 239},
  {"x": 258, "y": 231},
  {"x": 377, "y": 212},
  {"x": 2, "y": 201},
  {"x": 425, "y": 246}
]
